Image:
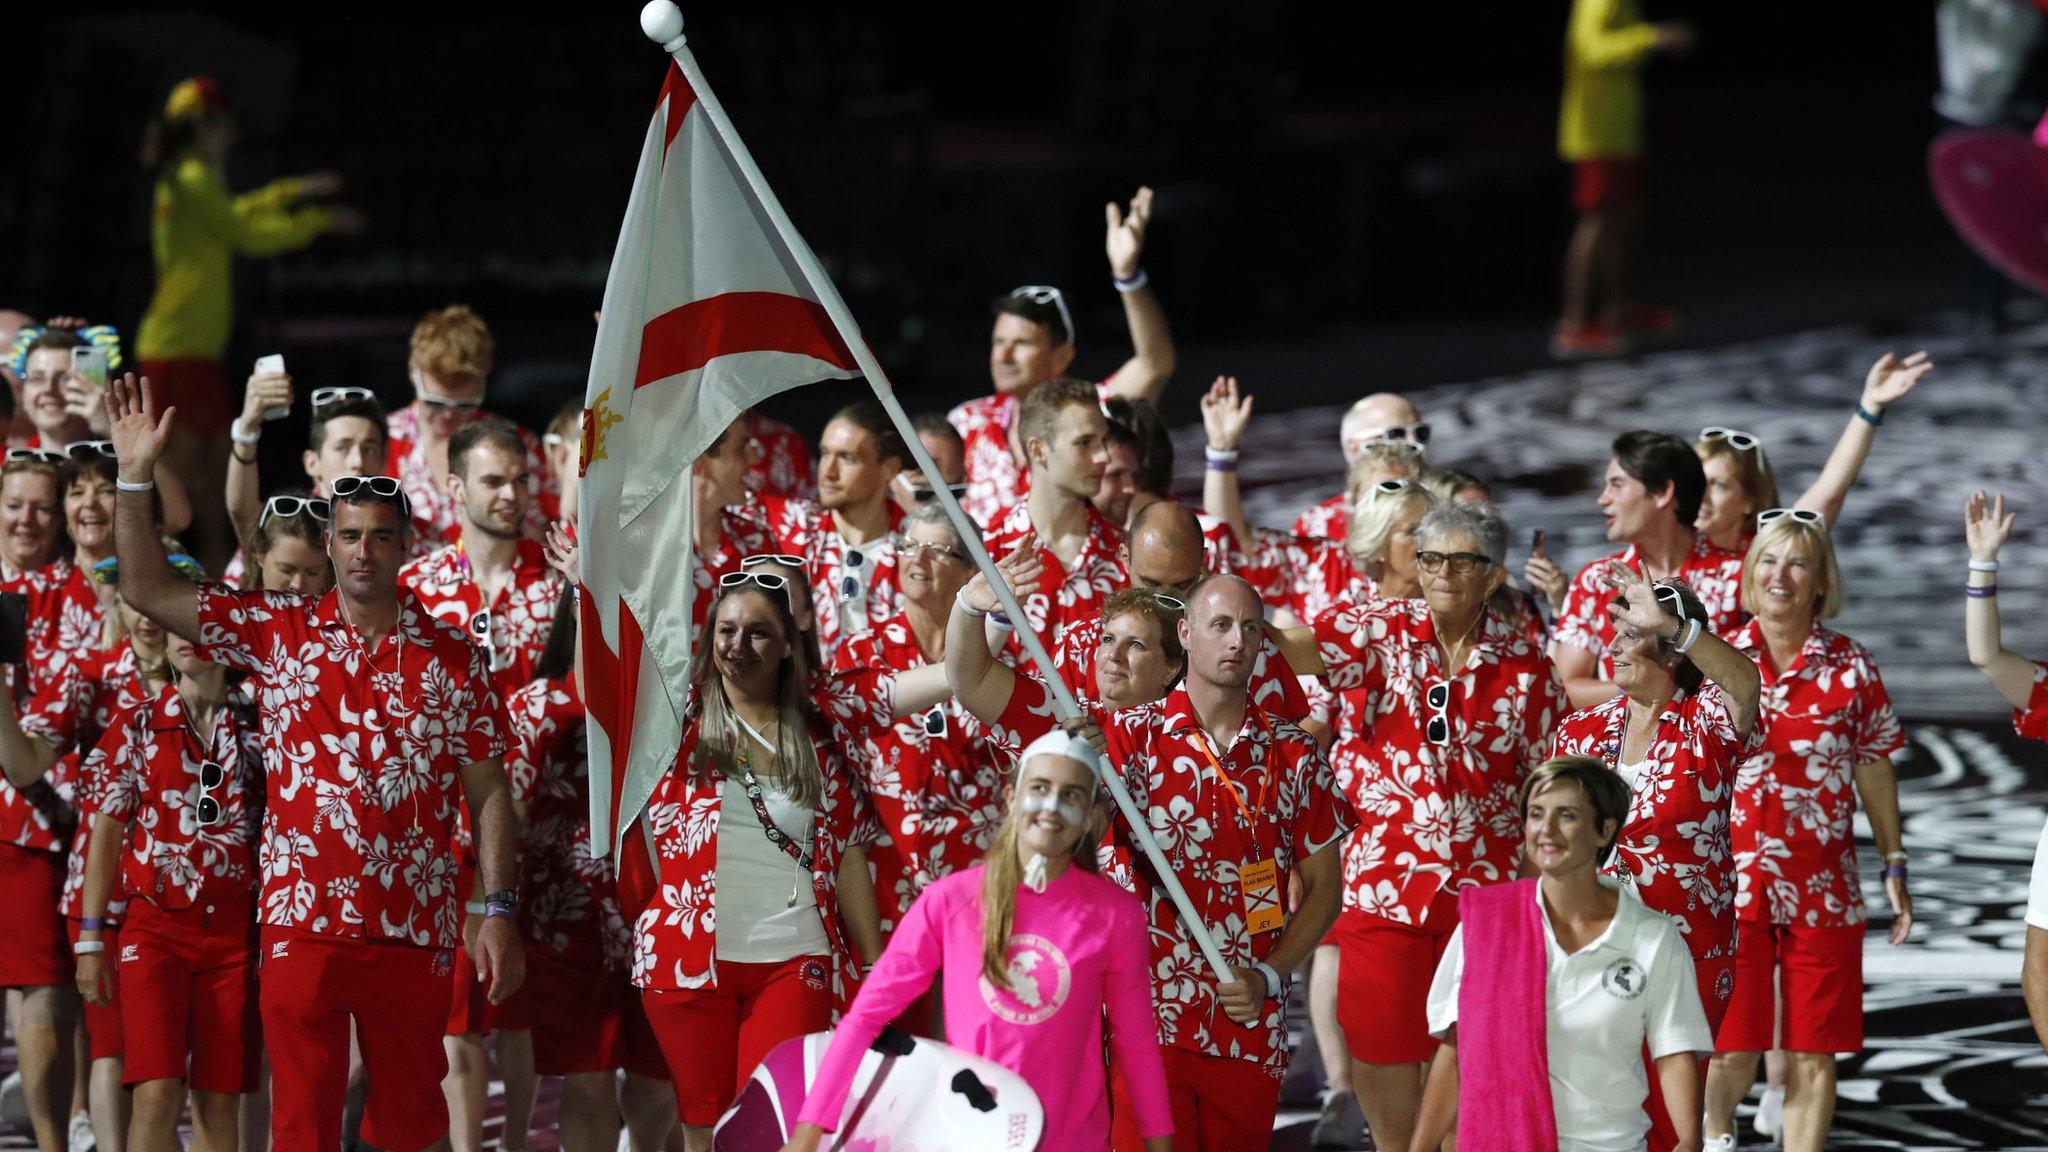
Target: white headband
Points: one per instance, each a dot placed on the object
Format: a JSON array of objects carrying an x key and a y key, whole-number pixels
[{"x": 1060, "y": 742}]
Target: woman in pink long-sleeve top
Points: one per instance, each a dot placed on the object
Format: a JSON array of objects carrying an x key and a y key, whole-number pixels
[{"x": 1033, "y": 950}]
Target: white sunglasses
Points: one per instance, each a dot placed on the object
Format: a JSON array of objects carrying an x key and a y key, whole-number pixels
[{"x": 1047, "y": 294}]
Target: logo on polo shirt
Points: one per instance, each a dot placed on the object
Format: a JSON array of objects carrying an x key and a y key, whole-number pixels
[{"x": 1624, "y": 979}]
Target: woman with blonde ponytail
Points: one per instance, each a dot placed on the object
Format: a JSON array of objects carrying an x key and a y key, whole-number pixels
[{"x": 1034, "y": 947}]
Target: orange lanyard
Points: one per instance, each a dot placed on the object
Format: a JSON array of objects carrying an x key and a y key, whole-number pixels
[{"x": 1235, "y": 791}]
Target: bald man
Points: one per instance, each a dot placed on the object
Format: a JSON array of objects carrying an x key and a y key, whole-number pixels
[
  {"x": 1380, "y": 416},
  {"x": 1242, "y": 803}
]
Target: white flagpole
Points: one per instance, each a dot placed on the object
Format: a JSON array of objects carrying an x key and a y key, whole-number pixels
[{"x": 662, "y": 21}]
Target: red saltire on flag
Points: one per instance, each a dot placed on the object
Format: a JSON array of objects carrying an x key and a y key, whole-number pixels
[{"x": 706, "y": 313}]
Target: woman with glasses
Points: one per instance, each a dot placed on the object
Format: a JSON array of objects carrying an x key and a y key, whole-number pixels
[
  {"x": 178, "y": 788},
  {"x": 1740, "y": 482},
  {"x": 934, "y": 780},
  {"x": 1828, "y": 737},
  {"x": 1684, "y": 721},
  {"x": 1448, "y": 706},
  {"x": 762, "y": 909}
]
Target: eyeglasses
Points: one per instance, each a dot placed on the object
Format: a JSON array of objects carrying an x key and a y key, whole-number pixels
[
  {"x": 1438, "y": 727},
  {"x": 935, "y": 721},
  {"x": 211, "y": 777},
  {"x": 1416, "y": 433},
  {"x": 448, "y": 402},
  {"x": 1462, "y": 563},
  {"x": 39, "y": 455},
  {"x": 907, "y": 547},
  {"x": 1798, "y": 515},
  {"x": 773, "y": 558},
  {"x": 381, "y": 487},
  {"x": 927, "y": 495},
  {"x": 322, "y": 397},
  {"x": 86, "y": 449},
  {"x": 1740, "y": 441},
  {"x": 289, "y": 506},
  {"x": 1047, "y": 294},
  {"x": 767, "y": 580}
]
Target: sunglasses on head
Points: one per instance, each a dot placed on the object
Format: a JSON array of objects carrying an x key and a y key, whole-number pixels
[
  {"x": 39, "y": 455},
  {"x": 1168, "y": 599},
  {"x": 1798, "y": 515},
  {"x": 448, "y": 402},
  {"x": 1438, "y": 727},
  {"x": 87, "y": 449},
  {"x": 289, "y": 506},
  {"x": 1416, "y": 433},
  {"x": 211, "y": 777},
  {"x": 322, "y": 397},
  {"x": 1047, "y": 294},
  {"x": 380, "y": 487},
  {"x": 1740, "y": 441},
  {"x": 783, "y": 558},
  {"x": 768, "y": 580},
  {"x": 1671, "y": 600}
]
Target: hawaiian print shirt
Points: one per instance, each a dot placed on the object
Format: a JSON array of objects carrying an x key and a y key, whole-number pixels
[
  {"x": 570, "y": 898},
  {"x": 1065, "y": 597},
  {"x": 1714, "y": 574},
  {"x": 435, "y": 519},
  {"x": 996, "y": 483},
  {"x": 516, "y": 624}
]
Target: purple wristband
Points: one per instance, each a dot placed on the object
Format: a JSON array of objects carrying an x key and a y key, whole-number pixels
[
  {"x": 1222, "y": 465},
  {"x": 1895, "y": 871},
  {"x": 500, "y": 912},
  {"x": 1980, "y": 591},
  {"x": 92, "y": 924}
]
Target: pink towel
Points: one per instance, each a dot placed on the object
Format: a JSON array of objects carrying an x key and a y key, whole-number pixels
[{"x": 1503, "y": 1046}]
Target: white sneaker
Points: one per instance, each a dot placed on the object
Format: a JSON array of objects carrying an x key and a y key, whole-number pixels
[
  {"x": 81, "y": 1138},
  {"x": 1770, "y": 1114},
  {"x": 1723, "y": 1143}
]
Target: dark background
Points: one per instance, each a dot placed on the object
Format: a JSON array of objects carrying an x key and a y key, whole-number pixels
[{"x": 1342, "y": 204}]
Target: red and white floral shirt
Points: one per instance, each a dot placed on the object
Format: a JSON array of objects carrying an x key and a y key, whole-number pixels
[
  {"x": 53, "y": 712},
  {"x": 435, "y": 519},
  {"x": 96, "y": 693},
  {"x": 1066, "y": 597},
  {"x": 866, "y": 587},
  {"x": 1793, "y": 829},
  {"x": 1714, "y": 574},
  {"x": 1434, "y": 817},
  {"x": 1289, "y": 811},
  {"x": 934, "y": 779},
  {"x": 65, "y": 617},
  {"x": 570, "y": 899},
  {"x": 675, "y": 939},
  {"x": 1674, "y": 851},
  {"x": 147, "y": 771},
  {"x": 1330, "y": 520},
  {"x": 517, "y": 621},
  {"x": 2031, "y": 722},
  {"x": 785, "y": 466},
  {"x": 1273, "y": 686},
  {"x": 364, "y": 751},
  {"x": 996, "y": 483}
]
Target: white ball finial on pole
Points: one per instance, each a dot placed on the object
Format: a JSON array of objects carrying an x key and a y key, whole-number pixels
[{"x": 662, "y": 21}]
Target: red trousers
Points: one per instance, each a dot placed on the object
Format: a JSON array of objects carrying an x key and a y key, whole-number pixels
[
  {"x": 1220, "y": 1104},
  {"x": 714, "y": 1037},
  {"x": 398, "y": 994}
]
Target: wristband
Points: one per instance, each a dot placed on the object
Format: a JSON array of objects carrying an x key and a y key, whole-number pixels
[
  {"x": 1693, "y": 628},
  {"x": 125, "y": 486},
  {"x": 501, "y": 912},
  {"x": 1895, "y": 872},
  {"x": 1272, "y": 976},
  {"x": 1990, "y": 566},
  {"x": 236, "y": 434},
  {"x": 475, "y": 908},
  {"x": 1980, "y": 591},
  {"x": 1000, "y": 620},
  {"x": 88, "y": 947},
  {"x": 1867, "y": 416},
  {"x": 1895, "y": 857},
  {"x": 1131, "y": 284},
  {"x": 1213, "y": 453},
  {"x": 92, "y": 924},
  {"x": 970, "y": 610},
  {"x": 1215, "y": 465}
]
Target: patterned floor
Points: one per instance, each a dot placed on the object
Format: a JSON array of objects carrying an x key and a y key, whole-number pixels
[{"x": 1951, "y": 1062}]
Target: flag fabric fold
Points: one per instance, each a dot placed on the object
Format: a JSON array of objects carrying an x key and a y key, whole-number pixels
[{"x": 706, "y": 313}]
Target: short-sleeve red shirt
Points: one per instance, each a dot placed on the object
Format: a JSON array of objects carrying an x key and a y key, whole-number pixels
[
  {"x": 364, "y": 752},
  {"x": 435, "y": 519},
  {"x": 1435, "y": 817},
  {"x": 518, "y": 620},
  {"x": 1674, "y": 850},
  {"x": 995, "y": 481},
  {"x": 1290, "y": 810},
  {"x": 1714, "y": 574},
  {"x": 784, "y": 465},
  {"x": 864, "y": 579},
  {"x": 570, "y": 898},
  {"x": 1066, "y": 596},
  {"x": 1794, "y": 832}
]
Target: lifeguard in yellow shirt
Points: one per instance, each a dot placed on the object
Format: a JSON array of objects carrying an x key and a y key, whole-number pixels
[
  {"x": 196, "y": 230},
  {"x": 1599, "y": 133}
]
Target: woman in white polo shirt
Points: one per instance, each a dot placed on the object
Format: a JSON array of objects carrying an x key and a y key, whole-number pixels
[{"x": 1544, "y": 1019}]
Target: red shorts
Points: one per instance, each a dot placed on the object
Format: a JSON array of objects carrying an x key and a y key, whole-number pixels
[
  {"x": 198, "y": 387},
  {"x": 312, "y": 983},
  {"x": 1817, "y": 973},
  {"x": 190, "y": 976},
  {"x": 585, "y": 1018},
  {"x": 34, "y": 951},
  {"x": 1603, "y": 184},
  {"x": 1220, "y": 1104},
  {"x": 103, "y": 1025},
  {"x": 713, "y": 1037},
  {"x": 1383, "y": 976},
  {"x": 470, "y": 1011}
]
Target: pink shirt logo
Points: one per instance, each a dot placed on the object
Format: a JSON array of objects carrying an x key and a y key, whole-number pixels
[{"x": 1039, "y": 981}]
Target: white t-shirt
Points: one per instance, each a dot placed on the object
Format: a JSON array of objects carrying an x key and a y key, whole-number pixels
[
  {"x": 1634, "y": 984},
  {"x": 757, "y": 924}
]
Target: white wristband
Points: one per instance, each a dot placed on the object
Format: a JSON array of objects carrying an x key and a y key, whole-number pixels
[
  {"x": 1693, "y": 628},
  {"x": 960, "y": 602},
  {"x": 124, "y": 486},
  {"x": 1272, "y": 976},
  {"x": 1984, "y": 566},
  {"x": 475, "y": 907},
  {"x": 236, "y": 434},
  {"x": 88, "y": 947},
  {"x": 1219, "y": 454},
  {"x": 1133, "y": 284}
]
